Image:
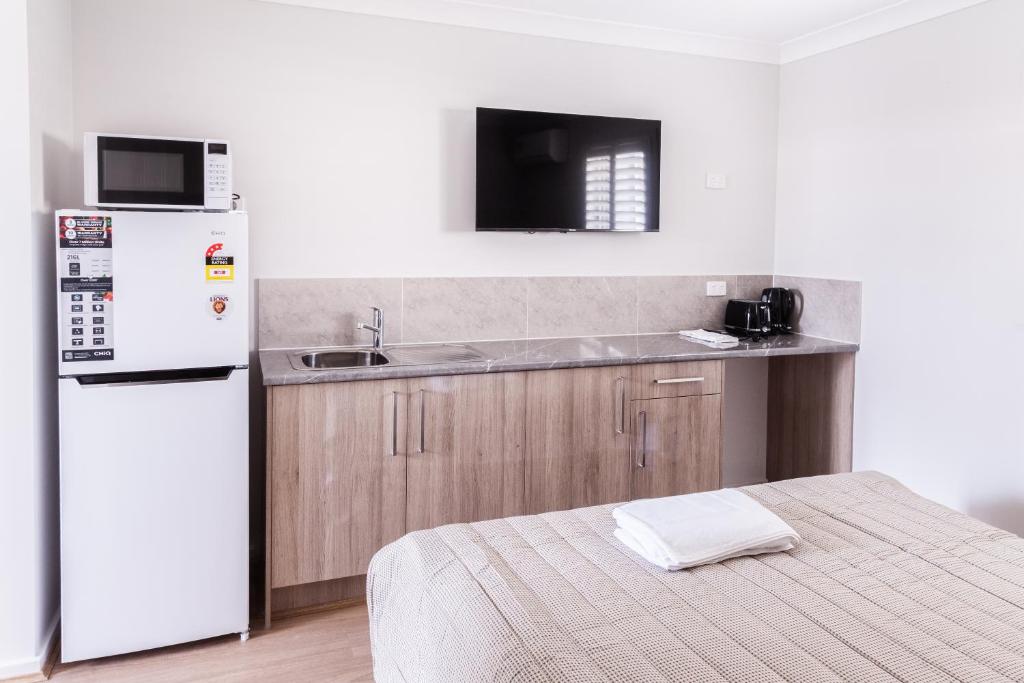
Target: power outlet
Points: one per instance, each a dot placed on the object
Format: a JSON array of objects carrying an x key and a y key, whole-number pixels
[
  {"x": 716, "y": 288},
  {"x": 717, "y": 181}
]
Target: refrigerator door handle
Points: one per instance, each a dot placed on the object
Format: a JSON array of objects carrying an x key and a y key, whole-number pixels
[{"x": 113, "y": 379}]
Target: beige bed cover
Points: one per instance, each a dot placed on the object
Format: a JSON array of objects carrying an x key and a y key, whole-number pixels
[{"x": 886, "y": 586}]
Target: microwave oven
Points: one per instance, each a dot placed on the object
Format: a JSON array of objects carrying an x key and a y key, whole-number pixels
[{"x": 147, "y": 172}]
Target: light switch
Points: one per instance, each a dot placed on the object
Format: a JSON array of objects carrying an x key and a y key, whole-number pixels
[
  {"x": 716, "y": 288},
  {"x": 717, "y": 181}
]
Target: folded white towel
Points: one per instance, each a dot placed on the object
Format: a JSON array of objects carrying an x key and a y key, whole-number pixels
[
  {"x": 701, "y": 528},
  {"x": 713, "y": 339}
]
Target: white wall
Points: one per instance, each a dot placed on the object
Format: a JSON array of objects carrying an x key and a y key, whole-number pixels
[
  {"x": 51, "y": 140},
  {"x": 35, "y": 116},
  {"x": 901, "y": 164},
  {"x": 18, "y": 539},
  {"x": 354, "y": 135}
]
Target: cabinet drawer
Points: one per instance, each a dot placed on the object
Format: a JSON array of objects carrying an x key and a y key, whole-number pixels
[{"x": 671, "y": 380}]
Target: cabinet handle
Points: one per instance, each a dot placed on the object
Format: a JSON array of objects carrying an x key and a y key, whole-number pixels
[
  {"x": 423, "y": 422},
  {"x": 679, "y": 380},
  {"x": 394, "y": 424},
  {"x": 641, "y": 458},
  {"x": 620, "y": 408}
]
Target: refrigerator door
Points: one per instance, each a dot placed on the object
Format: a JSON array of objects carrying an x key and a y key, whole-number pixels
[
  {"x": 142, "y": 290},
  {"x": 154, "y": 511}
]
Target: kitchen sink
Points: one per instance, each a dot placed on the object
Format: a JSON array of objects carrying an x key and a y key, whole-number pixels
[
  {"x": 354, "y": 358},
  {"x": 425, "y": 354}
]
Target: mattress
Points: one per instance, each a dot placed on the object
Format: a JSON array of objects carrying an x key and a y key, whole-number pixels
[{"x": 886, "y": 586}]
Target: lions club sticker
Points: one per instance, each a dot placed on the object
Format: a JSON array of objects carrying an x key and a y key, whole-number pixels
[{"x": 219, "y": 307}]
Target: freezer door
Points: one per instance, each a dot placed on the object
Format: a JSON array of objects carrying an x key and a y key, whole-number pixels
[
  {"x": 139, "y": 290},
  {"x": 154, "y": 511}
]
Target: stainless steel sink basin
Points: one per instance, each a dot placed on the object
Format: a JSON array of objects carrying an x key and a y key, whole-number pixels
[
  {"x": 342, "y": 358},
  {"x": 355, "y": 358}
]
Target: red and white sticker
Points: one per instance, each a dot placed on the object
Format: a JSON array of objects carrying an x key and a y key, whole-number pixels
[{"x": 220, "y": 267}]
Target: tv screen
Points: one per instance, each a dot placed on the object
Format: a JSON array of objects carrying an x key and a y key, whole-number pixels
[{"x": 537, "y": 171}]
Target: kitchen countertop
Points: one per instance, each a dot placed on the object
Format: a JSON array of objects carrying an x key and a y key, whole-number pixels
[{"x": 548, "y": 354}]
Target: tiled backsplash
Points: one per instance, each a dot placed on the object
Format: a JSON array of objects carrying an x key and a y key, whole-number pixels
[
  {"x": 449, "y": 309},
  {"x": 825, "y": 308},
  {"x": 324, "y": 312},
  {"x": 580, "y": 306}
]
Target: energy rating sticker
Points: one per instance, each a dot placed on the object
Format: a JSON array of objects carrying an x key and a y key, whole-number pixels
[{"x": 219, "y": 267}]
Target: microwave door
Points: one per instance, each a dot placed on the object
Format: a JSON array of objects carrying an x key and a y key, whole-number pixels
[{"x": 139, "y": 171}]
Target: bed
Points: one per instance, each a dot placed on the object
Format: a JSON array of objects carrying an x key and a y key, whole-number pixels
[{"x": 886, "y": 586}]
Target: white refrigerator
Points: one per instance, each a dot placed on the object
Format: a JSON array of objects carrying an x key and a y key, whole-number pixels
[{"x": 154, "y": 454}]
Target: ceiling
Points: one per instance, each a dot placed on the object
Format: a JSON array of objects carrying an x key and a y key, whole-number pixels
[{"x": 771, "y": 31}]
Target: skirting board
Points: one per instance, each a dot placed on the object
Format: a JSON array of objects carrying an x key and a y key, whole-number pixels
[
  {"x": 36, "y": 668},
  {"x": 293, "y": 600}
]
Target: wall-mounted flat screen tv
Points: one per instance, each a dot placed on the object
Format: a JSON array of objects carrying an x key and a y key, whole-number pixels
[{"x": 542, "y": 172}]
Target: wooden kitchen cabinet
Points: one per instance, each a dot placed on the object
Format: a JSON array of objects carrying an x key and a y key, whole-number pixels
[
  {"x": 353, "y": 466},
  {"x": 465, "y": 448},
  {"x": 677, "y": 445},
  {"x": 337, "y": 477},
  {"x": 577, "y": 441},
  {"x": 810, "y": 415}
]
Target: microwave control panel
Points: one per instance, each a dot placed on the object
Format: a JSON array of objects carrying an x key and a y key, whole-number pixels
[{"x": 218, "y": 175}]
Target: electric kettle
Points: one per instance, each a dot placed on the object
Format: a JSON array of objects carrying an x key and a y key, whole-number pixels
[{"x": 781, "y": 304}]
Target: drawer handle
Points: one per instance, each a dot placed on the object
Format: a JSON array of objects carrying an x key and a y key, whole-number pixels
[
  {"x": 641, "y": 458},
  {"x": 679, "y": 380},
  {"x": 620, "y": 407}
]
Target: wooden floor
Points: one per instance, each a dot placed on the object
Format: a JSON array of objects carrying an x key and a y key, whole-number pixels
[{"x": 326, "y": 646}]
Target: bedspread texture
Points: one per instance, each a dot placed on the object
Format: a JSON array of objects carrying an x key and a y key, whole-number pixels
[{"x": 886, "y": 586}]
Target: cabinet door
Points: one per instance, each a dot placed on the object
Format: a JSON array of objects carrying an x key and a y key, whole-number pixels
[
  {"x": 677, "y": 445},
  {"x": 465, "y": 446},
  {"x": 577, "y": 441},
  {"x": 337, "y": 477}
]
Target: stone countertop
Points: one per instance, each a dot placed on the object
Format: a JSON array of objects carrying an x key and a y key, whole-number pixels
[{"x": 548, "y": 354}]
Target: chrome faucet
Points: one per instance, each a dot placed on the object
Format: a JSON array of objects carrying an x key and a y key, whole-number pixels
[{"x": 377, "y": 328}]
